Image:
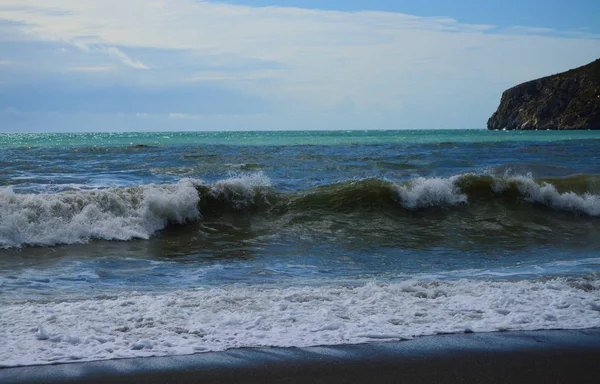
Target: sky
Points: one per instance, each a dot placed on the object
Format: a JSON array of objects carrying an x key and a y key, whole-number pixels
[{"x": 148, "y": 65}]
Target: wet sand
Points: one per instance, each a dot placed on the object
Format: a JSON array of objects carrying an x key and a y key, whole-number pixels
[{"x": 506, "y": 357}]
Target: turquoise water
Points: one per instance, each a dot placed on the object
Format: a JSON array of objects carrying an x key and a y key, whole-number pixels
[
  {"x": 138, "y": 244},
  {"x": 287, "y": 137}
]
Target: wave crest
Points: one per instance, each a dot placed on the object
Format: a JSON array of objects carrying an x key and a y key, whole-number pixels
[
  {"x": 434, "y": 192},
  {"x": 237, "y": 193},
  {"x": 548, "y": 195},
  {"x": 112, "y": 214},
  {"x": 138, "y": 212}
]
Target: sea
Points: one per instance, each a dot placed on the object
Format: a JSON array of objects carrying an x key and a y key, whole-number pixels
[{"x": 120, "y": 245}]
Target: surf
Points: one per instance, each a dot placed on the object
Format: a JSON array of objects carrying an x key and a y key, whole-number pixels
[{"x": 139, "y": 212}]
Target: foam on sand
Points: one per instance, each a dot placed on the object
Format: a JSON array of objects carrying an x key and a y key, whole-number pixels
[{"x": 216, "y": 319}]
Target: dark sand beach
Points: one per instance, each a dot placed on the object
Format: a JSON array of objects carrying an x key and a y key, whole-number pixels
[{"x": 507, "y": 357}]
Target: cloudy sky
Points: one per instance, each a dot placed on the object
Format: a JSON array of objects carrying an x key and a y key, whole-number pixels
[{"x": 132, "y": 65}]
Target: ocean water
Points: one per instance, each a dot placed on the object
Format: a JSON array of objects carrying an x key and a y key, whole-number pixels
[{"x": 153, "y": 244}]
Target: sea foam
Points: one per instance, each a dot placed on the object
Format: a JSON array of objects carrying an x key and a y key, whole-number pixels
[
  {"x": 431, "y": 192},
  {"x": 215, "y": 319},
  {"x": 110, "y": 214},
  {"x": 547, "y": 194},
  {"x": 240, "y": 190},
  {"x": 421, "y": 193},
  {"x": 47, "y": 219}
]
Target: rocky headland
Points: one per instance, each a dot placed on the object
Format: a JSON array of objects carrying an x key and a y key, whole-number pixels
[{"x": 568, "y": 100}]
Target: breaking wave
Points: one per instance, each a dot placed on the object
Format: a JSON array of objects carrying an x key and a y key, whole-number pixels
[
  {"x": 457, "y": 191},
  {"x": 139, "y": 212},
  {"x": 111, "y": 214}
]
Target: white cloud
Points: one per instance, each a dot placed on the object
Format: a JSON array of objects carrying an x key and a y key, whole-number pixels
[
  {"x": 110, "y": 51},
  {"x": 122, "y": 57},
  {"x": 407, "y": 70}
]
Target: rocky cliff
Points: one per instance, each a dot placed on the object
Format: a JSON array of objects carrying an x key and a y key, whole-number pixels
[{"x": 568, "y": 100}]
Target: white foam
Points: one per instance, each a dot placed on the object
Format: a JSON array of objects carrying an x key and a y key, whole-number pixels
[
  {"x": 439, "y": 192},
  {"x": 242, "y": 190},
  {"x": 136, "y": 325},
  {"x": 111, "y": 214},
  {"x": 430, "y": 192},
  {"x": 547, "y": 194}
]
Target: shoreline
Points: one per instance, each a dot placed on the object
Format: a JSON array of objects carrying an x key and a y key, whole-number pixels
[{"x": 548, "y": 356}]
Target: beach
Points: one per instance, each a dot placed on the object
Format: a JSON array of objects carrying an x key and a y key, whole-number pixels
[
  {"x": 299, "y": 191},
  {"x": 507, "y": 357}
]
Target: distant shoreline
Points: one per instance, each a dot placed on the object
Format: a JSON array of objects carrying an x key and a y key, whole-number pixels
[{"x": 528, "y": 356}]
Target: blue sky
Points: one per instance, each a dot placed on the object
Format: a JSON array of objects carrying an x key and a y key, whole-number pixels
[
  {"x": 560, "y": 14},
  {"x": 111, "y": 65}
]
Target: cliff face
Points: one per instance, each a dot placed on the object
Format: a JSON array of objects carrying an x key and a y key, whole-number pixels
[{"x": 568, "y": 100}]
